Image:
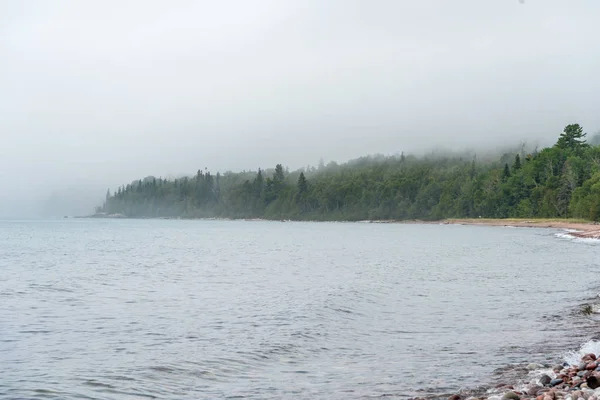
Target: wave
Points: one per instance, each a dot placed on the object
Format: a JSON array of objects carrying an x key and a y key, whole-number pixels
[
  {"x": 567, "y": 235},
  {"x": 574, "y": 357}
]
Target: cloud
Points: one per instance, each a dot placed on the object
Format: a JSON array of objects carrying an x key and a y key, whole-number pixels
[{"x": 95, "y": 94}]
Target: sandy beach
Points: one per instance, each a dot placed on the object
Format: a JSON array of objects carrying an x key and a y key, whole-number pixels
[{"x": 582, "y": 229}]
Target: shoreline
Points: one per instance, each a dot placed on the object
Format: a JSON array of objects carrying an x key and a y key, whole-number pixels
[
  {"x": 578, "y": 228},
  {"x": 576, "y": 379},
  {"x": 585, "y": 229}
]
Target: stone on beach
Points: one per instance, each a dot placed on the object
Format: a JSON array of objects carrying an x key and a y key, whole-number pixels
[
  {"x": 533, "y": 390},
  {"x": 545, "y": 380},
  {"x": 511, "y": 396},
  {"x": 593, "y": 382},
  {"x": 567, "y": 382}
]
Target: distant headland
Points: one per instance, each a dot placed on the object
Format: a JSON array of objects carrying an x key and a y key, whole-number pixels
[{"x": 558, "y": 182}]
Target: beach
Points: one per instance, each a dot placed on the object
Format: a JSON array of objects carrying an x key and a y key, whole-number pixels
[{"x": 577, "y": 228}]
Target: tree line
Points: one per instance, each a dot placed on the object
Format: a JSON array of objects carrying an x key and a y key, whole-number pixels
[{"x": 561, "y": 181}]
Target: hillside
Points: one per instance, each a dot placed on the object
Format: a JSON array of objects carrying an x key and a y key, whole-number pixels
[{"x": 556, "y": 182}]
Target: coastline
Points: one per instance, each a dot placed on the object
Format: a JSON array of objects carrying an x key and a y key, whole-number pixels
[{"x": 578, "y": 228}]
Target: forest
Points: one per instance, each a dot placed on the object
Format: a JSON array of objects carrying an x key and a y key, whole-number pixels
[{"x": 562, "y": 181}]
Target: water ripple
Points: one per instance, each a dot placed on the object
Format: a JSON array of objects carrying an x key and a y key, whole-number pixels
[{"x": 258, "y": 310}]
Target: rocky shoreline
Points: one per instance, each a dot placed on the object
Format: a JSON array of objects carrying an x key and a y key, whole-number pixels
[{"x": 565, "y": 381}]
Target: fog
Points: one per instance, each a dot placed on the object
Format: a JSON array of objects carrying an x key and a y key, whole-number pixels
[{"x": 95, "y": 94}]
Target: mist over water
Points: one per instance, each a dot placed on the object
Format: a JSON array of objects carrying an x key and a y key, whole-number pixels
[{"x": 117, "y": 309}]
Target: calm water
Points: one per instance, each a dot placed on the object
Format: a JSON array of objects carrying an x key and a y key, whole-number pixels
[{"x": 119, "y": 309}]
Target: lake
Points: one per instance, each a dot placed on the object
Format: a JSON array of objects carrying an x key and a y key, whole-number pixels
[{"x": 175, "y": 309}]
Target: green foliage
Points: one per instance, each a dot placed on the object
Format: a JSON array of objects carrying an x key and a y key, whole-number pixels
[
  {"x": 556, "y": 182},
  {"x": 572, "y": 138},
  {"x": 517, "y": 164}
]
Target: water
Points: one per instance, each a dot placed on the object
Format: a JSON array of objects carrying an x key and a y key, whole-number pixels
[{"x": 132, "y": 309}]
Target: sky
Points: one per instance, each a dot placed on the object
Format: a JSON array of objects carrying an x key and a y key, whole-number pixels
[{"x": 94, "y": 94}]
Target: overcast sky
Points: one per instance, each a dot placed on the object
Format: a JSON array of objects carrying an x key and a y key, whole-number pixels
[{"x": 94, "y": 94}]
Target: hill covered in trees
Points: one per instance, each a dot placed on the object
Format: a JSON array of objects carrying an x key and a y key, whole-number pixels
[{"x": 559, "y": 181}]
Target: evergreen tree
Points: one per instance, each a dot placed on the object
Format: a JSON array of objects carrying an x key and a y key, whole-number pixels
[
  {"x": 278, "y": 174},
  {"x": 572, "y": 138},
  {"x": 302, "y": 184},
  {"x": 517, "y": 164},
  {"x": 506, "y": 173},
  {"x": 560, "y": 181}
]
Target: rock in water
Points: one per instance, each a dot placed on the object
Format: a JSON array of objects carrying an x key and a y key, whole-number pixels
[
  {"x": 511, "y": 396},
  {"x": 454, "y": 397},
  {"x": 555, "y": 382},
  {"x": 545, "y": 380}
]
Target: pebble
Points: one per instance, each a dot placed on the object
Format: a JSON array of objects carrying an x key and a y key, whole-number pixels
[
  {"x": 572, "y": 382},
  {"x": 533, "y": 390},
  {"x": 593, "y": 382},
  {"x": 545, "y": 380},
  {"x": 511, "y": 396}
]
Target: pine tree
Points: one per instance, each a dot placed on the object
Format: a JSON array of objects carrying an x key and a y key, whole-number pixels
[
  {"x": 302, "y": 184},
  {"x": 506, "y": 173},
  {"x": 572, "y": 138},
  {"x": 517, "y": 164}
]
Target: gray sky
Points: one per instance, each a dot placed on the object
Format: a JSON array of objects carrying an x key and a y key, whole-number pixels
[{"x": 98, "y": 93}]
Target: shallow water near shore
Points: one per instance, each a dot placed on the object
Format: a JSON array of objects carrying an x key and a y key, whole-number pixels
[{"x": 117, "y": 309}]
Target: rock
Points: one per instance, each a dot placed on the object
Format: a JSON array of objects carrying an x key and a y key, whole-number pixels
[
  {"x": 454, "y": 397},
  {"x": 591, "y": 355},
  {"x": 593, "y": 382},
  {"x": 533, "y": 390},
  {"x": 591, "y": 366},
  {"x": 555, "y": 382},
  {"x": 581, "y": 373},
  {"x": 511, "y": 396},
  {"x": 545, "y": 380}
]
